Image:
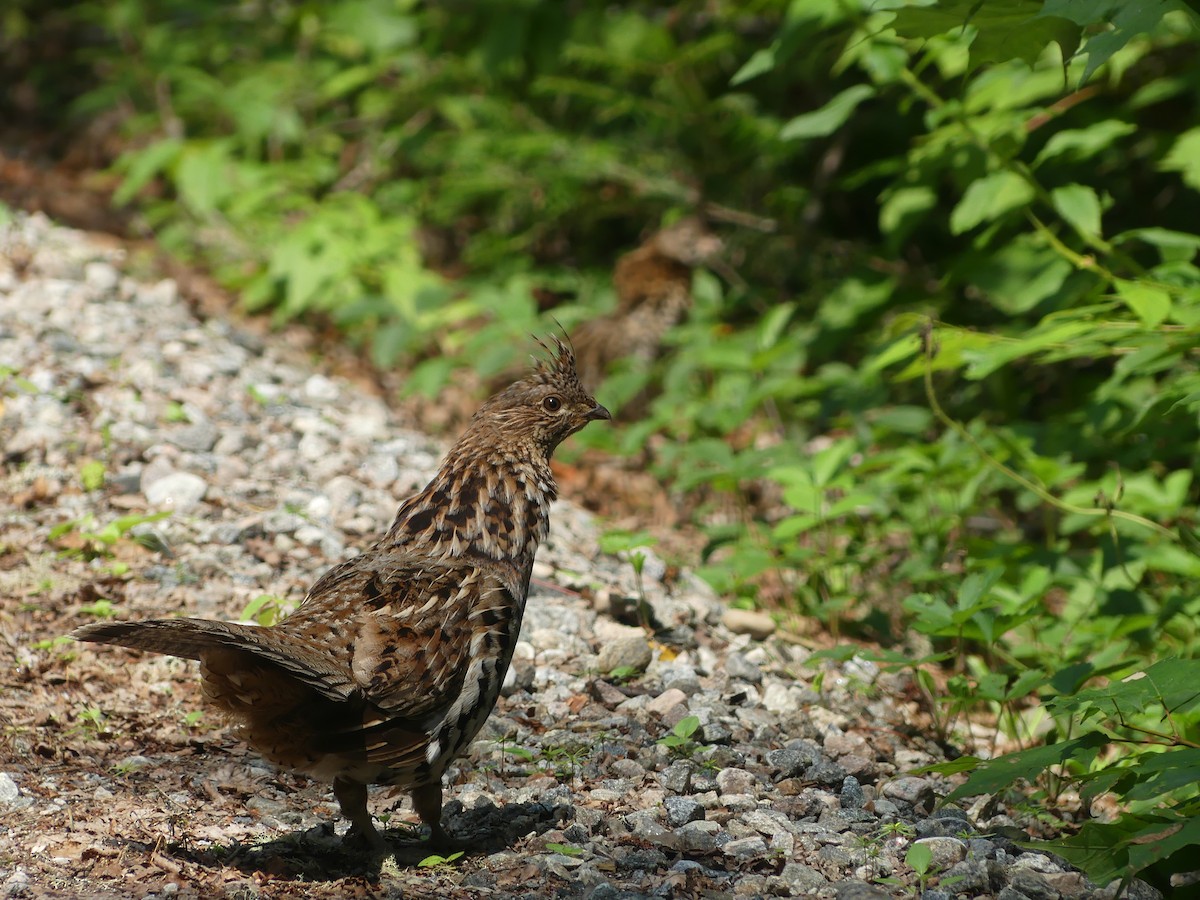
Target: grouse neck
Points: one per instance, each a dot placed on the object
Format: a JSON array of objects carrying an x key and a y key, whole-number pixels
[{"x": 492, "y": 503}]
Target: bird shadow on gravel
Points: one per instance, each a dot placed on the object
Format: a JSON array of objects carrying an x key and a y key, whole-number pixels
[{"x": 320, "y": 854}]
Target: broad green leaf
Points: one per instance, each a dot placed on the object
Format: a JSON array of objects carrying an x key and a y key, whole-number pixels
[
  {"x": 1079, "y": 205},
  {"x": 829, "y": 118},
  {"x": 1184, "y": 158},
  {"x": 1131, "y": 20},
  {"x": 1150, "y": 304},
  {"x": 983, "y": 361},
  {"x": 992, "y": 776},
  {"x": 140, "y": 166},
  {"x": 989, "y": 198},
  {"x": 1172, "y": 683},
  {"x": 1018, "y": 276},
  {"x": 761, "y": 62},
  {"x": 903, "y": 207},
  {"x": 1015, "y": 29},
  {"x": 1083, "y": 143}
]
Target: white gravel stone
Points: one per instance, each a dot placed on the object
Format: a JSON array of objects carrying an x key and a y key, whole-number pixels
[
  {"x": 180, "y": 491},
  {"x": 9, "y": 792}
]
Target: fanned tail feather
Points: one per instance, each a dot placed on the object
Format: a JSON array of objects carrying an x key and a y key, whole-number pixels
[{"x": 190, "y": 638}]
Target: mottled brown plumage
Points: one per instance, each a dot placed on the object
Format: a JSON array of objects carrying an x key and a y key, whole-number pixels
[
  {"x": 654, "y": 292},
  {"x": 387, "y": 670}
]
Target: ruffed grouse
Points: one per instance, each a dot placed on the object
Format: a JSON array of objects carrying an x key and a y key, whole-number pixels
[
  {"x": 654, "y": 291},
  {"x": 388, "y": 669}
]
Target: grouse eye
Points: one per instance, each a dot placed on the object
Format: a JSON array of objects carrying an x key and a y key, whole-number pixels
[{"x": 552, "y": 404}]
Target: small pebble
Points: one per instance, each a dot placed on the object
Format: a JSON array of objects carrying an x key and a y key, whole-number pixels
[{"x": 759, "y": 626}]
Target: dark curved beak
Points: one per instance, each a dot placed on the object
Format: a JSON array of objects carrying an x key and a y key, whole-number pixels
[{"x": 597, "y": 412}]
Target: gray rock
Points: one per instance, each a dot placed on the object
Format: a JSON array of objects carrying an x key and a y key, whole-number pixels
[
  {"x": 700, "y": 836},
  {"x": 715, "y": 733},
  {"x": 973, "y": 877},
  {"x": 1033, "y": 885},
  {"x": 198, "y": 438},
  {"x": 736, "y": 781},
  {"x": 677, "y": 777},
  {"x": 940, "y": 828},
  {"x": 179, "y": 490},
  {"x": 101, "y": 276},
  {"x": 852, "y": 795},
  {"x": 624, "y": 653},
  {"x": 910, "y": 790},
  {"x": 745, "y": 848},
  {"x": 859, "y": 890},
  {"x": 944, "y": 851},
  {"x": 982, "y": 848},
  {"x": 17, "y": 884},
  {"x": 802, "y": 879},
  {"x": 737, "y": 666},
  {"x": 788, "y": 763},
  {"x": 9, "y": 792},
  {"x": 825, "y": 772},
  {"x": 681, "y": 810},
  {"x": 759, "y": 626}
]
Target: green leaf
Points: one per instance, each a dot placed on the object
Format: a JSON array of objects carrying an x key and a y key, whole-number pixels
[
  {"x": 141, "y": 166},
  {"x": 1079, "y": 205},
  {"x": 829, "y": 118},
  {"x": 989, "y": 198},
  {"x": 1150, "y": 304},
  {"x": 993, "y": 775},
  {"x": 903, "y": 207},
  {"x": 1184, "y": 158},
  {"x": 761, "y": 62},
  {"x": 91, "y": 475},
  {"x": 1131, "y": 20},
  {"x": 1083, "y": 143},
  {"x": 1015, "y": 29},
  {"x": 1169, "y": 683}
]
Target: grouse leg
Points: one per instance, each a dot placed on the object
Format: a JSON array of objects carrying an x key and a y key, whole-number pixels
[
  {"x": 352, "y": 797},
  {"x": 427, "y": 801}
]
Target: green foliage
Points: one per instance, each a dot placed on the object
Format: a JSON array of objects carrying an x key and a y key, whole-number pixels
[
  {"x": 83, "y": 537},
  {"x": 679, "y": 741},
  {"x": 265, "y": 609},
  {"x": 92, "y": 474},
  {"x": 1155, "y": 715},
  {"x": 434, "y": 861}
]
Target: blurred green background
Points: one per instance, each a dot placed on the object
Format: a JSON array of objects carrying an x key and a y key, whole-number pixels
[{"x": 942, "y": 391}]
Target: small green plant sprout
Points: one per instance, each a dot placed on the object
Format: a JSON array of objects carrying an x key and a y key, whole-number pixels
[
  {"x": 92, "y": 719},
  {"x": 9, "y": 374},
  {"x": 565, "y": 849},
  {"x": 897, "y": 829},
  {"x": 192, "y": 719},
  {"x": 621, "y": 674},
  {"x": 92, "y": 474},
  {"x": 176, "y": 413},
  {"x": 679, "y": 741},
  {"x": 52, "y": 643},
  {"x": 101, "y": 608},
  {"x": 919, "y": 858},
  {"x": 632, "y": 545},
  {"x": 567, "y": 759},
  {"x": 434, "y": 860},
  {"x": 265, "y": 609}
]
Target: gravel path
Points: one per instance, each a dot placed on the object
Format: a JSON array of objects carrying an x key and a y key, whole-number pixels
[{"x": 115, "y": 781}]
